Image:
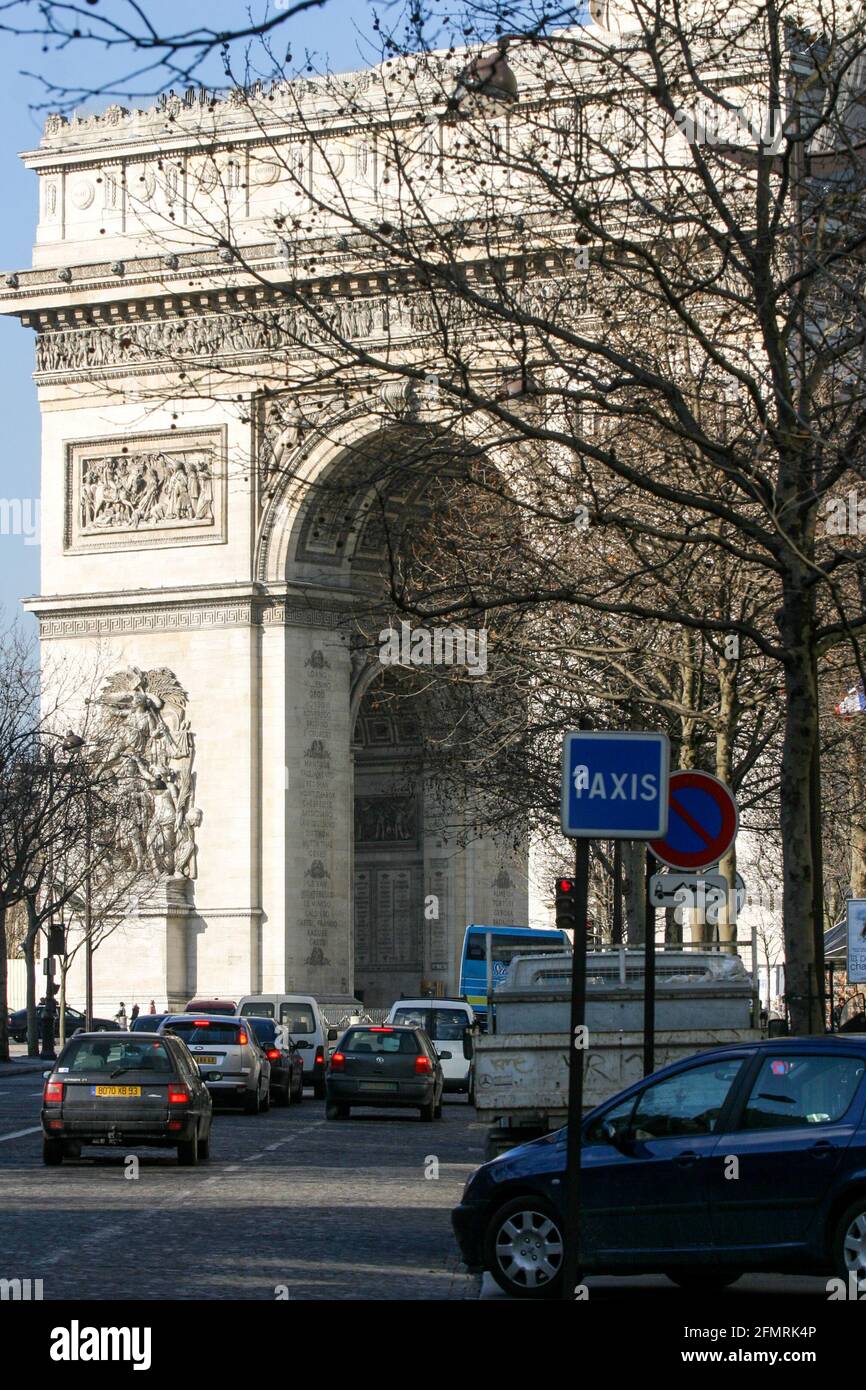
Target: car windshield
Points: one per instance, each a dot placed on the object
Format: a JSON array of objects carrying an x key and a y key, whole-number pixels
[
  {"x": 379, "y": 1040},
  {"x": 264, "y": 1028},
  {"x": 257, "y": 1008},
  {"x": 198, "y": 1031},
  {"x": 88, "y": 1055},
  {"x": 297, "y": 1018},
  {"x": 445, "y": 1025}
]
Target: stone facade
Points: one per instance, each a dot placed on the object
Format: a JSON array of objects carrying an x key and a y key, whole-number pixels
[{"x": 172, "y": 543}]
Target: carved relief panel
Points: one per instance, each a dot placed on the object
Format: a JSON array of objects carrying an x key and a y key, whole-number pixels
[{"x": 148, "y": 490}]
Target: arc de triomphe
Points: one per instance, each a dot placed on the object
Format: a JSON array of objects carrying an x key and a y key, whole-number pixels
[{"x": 211, "y": 595}]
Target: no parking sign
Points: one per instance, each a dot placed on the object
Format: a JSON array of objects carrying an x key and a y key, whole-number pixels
[{"x": 702, "y": 822}]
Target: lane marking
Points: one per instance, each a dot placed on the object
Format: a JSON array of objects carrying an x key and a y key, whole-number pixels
[{"x": 19, "y": 1133}]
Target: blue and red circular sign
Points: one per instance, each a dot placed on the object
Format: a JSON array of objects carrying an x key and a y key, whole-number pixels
[{"x": 702, "y": 822}]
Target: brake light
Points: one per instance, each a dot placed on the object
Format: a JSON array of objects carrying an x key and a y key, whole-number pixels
[
  {"x": 320, "y": 1057},
  {"x": 423, "y": 1065},
  {"x": 178, "y": 1095},
  {"x": 243, "y": 1038},
  {"x": 201, "y": 1023},
  {"x": 53, "y": 1092},
  {"x": 338, "y": 1061},
  {"x": 272, "y": 1054},
  {"x": 381, "y": 1030}
]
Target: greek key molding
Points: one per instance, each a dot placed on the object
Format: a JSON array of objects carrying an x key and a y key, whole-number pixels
[{"x": 169, "y": 617}]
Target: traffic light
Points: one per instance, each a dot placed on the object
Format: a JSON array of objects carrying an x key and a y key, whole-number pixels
[
  {"x": 566, "y": 904},
  {"x": 57, "y": 939}
]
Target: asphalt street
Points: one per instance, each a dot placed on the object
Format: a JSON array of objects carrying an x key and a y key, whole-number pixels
[{"x": 289, "y": 1206}]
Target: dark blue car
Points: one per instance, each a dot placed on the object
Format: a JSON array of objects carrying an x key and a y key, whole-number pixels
[{"x": 745, "y": 1158}]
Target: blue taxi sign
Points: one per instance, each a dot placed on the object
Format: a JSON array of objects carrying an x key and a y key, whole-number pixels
[{"x": 615, "y": 784}]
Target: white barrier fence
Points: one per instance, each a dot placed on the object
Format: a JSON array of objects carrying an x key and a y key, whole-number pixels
[{"x": 17, "y": 983}]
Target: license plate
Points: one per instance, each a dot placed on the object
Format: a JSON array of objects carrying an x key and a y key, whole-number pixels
[
  {"x": 115, "y": 1091},
  {"x": 206, "y": 1061},
  {"x": 378, "y": 1085}
]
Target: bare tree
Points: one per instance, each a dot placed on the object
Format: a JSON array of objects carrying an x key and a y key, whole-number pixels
[{"x": 603, "y": 274}]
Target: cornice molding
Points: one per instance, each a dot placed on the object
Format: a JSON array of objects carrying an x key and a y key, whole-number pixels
[{"x": 107, "y": 616}]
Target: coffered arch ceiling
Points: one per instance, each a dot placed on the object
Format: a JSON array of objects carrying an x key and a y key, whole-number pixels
[{"x": 377, "y": 498}]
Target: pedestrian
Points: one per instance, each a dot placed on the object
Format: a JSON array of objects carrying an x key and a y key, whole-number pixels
[
  {"x": 152, "y": 1008},
  {"x": 120, "y": 1017},
  {"x": 134, "y": 1015}
]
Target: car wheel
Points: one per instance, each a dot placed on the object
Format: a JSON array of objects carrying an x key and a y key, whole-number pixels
[
  {"x": 319, "y": 1090},
  {"x": 204, "y": 1147},
  {"x": 284, "y": 1097},
  {"x": 849, "y": 1243},
  {"x": 71, "y": 1149},
  {"x": 437, "y": 1110},
  {"x": 52, "y": 1152},
  {"x": 188, "y": 1152},
  {"x": 253, "y": 1103},
  {"x": 428, "y": 1113},
  {"x": 524, "y": 1248},
  {"x": 266, "y": 1100},
  {"x": 703, "y": 1279},
  {"x": 299, "y": 1093},
  {"x": 336, "y": 1112}
]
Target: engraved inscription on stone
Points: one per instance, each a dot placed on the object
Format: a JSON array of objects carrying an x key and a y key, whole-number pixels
[
  {"x": 438, "y": 926},
  {"x": 363, "y": 889},
  {"x": 318, "y": 923}
]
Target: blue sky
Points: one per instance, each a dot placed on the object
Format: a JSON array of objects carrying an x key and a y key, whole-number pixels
[{"x": 333, "y": 33}]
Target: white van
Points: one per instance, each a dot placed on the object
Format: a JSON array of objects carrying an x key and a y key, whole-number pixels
[
  {"x": 445, "y": 1022},
  {"x": 300, "y": 1017}
]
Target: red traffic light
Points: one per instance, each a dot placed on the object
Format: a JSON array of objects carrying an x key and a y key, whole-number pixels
[{"x": 565, "y": 885}]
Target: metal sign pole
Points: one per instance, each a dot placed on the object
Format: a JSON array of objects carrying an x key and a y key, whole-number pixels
[
  {"x": 488, "y": 951},
  {"x": 649, "y": 972},
  {"x": 571, "y": 1257}
]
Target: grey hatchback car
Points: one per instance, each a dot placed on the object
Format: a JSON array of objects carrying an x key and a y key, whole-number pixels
[
  {"x": 137, "y": 1090},
  {"x": 232, "y": 1063},
  {"x": 384, "y": 1065}
]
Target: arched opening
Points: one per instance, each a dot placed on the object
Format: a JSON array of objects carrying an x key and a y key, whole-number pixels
[
  {"x": 395, "y": 874},
  {"x": 393, "y": 952}
]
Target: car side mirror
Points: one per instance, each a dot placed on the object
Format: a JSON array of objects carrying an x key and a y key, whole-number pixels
[
  {"x": 46, "y": 1074},
  {"x": 332, "y": 1035},
  {"x": 468, "y": 1044},
  {"x": 445, "y": 1056}
]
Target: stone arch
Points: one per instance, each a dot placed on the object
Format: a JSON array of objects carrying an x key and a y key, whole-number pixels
[{"x": 324, "y": 458}]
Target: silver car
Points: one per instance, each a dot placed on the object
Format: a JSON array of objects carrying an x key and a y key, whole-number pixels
[{"x": 232, "y": 1064}]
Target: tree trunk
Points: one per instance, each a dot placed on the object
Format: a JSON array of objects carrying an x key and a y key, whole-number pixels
[
  {"x": 4, "y": 989},
  {"x": 796, "y": 624},
  {"x": 29, "y": 952},
  {"x": 634, "y": 890},
  {"x": 857, "y": 821},
  {"x": 726, "y": 922},
  {"x": 61, "y": 1000}
]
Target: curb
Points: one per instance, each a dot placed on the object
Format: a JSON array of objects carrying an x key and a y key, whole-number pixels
[{"x": 21, "y": 1066}]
